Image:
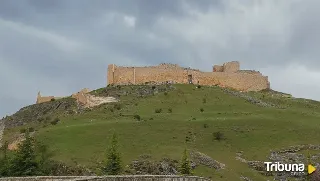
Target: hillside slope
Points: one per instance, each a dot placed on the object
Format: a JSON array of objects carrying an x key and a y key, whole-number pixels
[{"x": 160, "y": 121}]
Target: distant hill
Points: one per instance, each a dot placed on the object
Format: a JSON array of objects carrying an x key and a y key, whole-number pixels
[{"x": 227, "y": 133}]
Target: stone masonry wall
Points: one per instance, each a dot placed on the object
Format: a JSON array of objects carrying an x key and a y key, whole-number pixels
[
  {"x": 109, "y": 178},
  {"x": 226, "y": 76}
]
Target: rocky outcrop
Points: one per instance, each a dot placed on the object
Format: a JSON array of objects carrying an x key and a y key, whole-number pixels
[
  {"x": 202, "y": 159},
  {"x": 1, "y": 131},
  {"x": 40, "y": 112}
]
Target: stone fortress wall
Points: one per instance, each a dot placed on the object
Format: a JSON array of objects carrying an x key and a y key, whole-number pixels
[{"x": 226, "y": 75}]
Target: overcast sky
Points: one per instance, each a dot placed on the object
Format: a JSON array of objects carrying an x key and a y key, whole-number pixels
[{"x": 60, "y": 46}]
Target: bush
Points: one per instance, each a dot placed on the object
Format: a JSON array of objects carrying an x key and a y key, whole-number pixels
[
  {"x": 23, "y": 130},
  {"x": 117, "y": 106},
  {"x": 31, "y": 129},
  {"x": 41, "y": 119},
  {"x": 170, "y": 110},
  {"x": 53, "y": 99},
  {"x": 218, "y": 136},
  {"x": 137, "y": 117},
  {"x": 165, "y": 93},
  {"x": 153, "y": 87},
  {"x": 201, "y": 109},
  {"x": 206, "y": 126},
  {"x": 55, "y": 121},
  {"x": 158, "y": 110},
  {"x": 198, "y": 86},
  {"x": 204, "y": 100},
  {"x": 111, "y": 110}
]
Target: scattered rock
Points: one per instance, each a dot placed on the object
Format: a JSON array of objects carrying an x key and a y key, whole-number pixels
[
  {"x": 144, "y": 166},
  {"x": 203, "y": 159},
  {"x": 249, "y": 98}
]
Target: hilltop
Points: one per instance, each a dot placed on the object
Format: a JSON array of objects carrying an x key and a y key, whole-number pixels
[{"x": 227, "y": 133}]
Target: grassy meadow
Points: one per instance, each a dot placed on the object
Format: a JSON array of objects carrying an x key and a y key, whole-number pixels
[{"x": 166, "y": 119}]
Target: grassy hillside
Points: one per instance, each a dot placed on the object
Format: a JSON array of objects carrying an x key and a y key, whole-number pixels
[{"x": 185, "y": 117}]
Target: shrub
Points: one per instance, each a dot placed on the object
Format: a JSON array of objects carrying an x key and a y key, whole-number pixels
[
  {"x": 40, "y": 119},
  {"x": 170, "y": 110},
  {"x": 137, "y": 117},
  {"x": 55, "y": 121},
  {"x": 218, "y": 136},
  {"x": 205, "y": 125},
  {"x": 153, "y": 87},
  {"x": 204, "y": 100},
  {"x": 31, "y": 129},
  {"x": 201, "y": 109},
  {"x": 23, "y": 130},
  {"x": 111, "y": 110},
  {"x": 151, "y": 119},
  {"x": 198, "y": 86},
  {"x": 165, "y": 93},
  {"x": 117, "y": 106},
  {"x": 158, "y": 110},
  {"x": 53, "y": 99}
]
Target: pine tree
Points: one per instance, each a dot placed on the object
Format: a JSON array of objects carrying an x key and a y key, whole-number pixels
[
  {"x": 185, "y": 167},
  {"x": 44, "y": 159},
  {"x": 24, "y": 162},
  {"x": 113, "y": 165},
  {"x": 4, "y": 161}
]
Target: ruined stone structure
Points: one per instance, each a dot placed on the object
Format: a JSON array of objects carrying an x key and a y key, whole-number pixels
[
  {"x": 41, "y": 99},
  {"x": 79, "y": 96},
  {"x": 226, "y": 75},
  {"x": 82, "y": 97}
]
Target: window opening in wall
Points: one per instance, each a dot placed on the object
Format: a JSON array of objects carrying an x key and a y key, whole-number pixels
[{"x": 190, "y": 79}]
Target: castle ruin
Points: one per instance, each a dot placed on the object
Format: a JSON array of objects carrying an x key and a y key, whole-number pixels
[{"x": 226, "y": 75}]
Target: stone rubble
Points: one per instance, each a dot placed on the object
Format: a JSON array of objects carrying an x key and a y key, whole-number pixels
[
  {"x": 203, "y": 159},
  {"x": 249, "y": 98},
  {"x": 286, "y": 155}
]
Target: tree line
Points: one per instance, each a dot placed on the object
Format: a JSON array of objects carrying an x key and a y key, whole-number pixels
[{"x": 34, "y": 159}]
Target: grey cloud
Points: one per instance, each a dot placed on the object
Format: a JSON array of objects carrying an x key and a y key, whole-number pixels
[{"x": 61, "y": 46}]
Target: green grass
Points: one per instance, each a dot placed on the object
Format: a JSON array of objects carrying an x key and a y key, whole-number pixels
[{"x": 247, "y": 127}]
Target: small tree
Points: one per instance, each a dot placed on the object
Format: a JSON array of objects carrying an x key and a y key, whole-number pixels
[
  {"x": 24, "y": 162},
  {"x": 4, "y": 161},
  {"x": 113, "y": 165},
  {"x": 185, "y": 167},
  {"x": 44, "y": 158},
  {"x": 137, "y": 117}
]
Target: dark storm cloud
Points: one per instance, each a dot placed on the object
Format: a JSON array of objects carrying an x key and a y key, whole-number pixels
[{"x": 61, "y": 46}]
